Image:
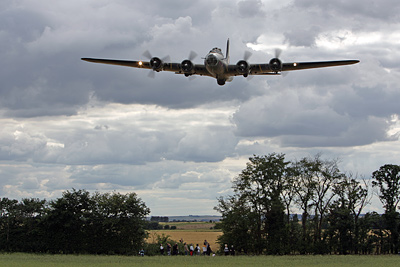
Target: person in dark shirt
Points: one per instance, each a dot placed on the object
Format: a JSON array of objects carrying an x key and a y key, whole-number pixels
[{"x": 175, "y": 249}]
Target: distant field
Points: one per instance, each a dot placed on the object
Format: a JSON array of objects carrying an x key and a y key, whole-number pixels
[
  {"x": 190, "y": 237},
  {"x": 34, "y": 260},
  {"x": 190, "y": 232}
]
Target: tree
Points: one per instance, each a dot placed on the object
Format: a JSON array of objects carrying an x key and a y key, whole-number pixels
[
  {"x": 68, "y": 221},
  {"x": 345, "y": 212},
  {"x": 258, "y": 199},
  {"x": 122, "y": 218},
  {"x": 103, "y": 223},
  {"x": 20, "y": 225},
  {"x": 387, "y": 180},
  {"x": 304, "y": 193},
  {"x": 238, "y": 224}
]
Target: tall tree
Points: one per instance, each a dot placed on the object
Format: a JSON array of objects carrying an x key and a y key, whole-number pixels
[
  {"x": 352, "y": 196},
  {"x": 387, "y": 180},
  {"x": 260, "y": 186},
  {"x": 67, "y": 221},
  {"x": 304, "y": 195},
  {"x": 326, "y": 175},
  {"x": 239, "y": 224}
]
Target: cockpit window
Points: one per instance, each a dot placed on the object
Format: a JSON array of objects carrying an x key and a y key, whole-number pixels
[{"x": 216, "y": 50}]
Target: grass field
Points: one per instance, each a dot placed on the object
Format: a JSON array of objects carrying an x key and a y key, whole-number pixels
[{"x": 33, "y": 260}]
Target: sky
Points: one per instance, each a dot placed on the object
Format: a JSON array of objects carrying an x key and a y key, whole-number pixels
[{"x": 177, "y": 142}]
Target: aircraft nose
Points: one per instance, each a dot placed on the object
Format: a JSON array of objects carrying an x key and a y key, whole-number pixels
[{"x": 211, "y": 60}]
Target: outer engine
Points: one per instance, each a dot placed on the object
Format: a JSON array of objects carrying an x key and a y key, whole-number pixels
[{"x": 156, "y": 63}]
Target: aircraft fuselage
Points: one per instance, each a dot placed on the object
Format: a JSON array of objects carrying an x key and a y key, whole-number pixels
[{"x": 216, "y": 64}]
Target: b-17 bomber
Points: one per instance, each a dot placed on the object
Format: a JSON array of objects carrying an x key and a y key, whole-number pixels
[{"x": 217, "y": 65}]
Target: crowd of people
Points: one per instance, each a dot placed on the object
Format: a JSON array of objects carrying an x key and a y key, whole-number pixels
[{"x": 191, "y": 250}]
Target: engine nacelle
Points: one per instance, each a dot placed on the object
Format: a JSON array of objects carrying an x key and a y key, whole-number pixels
[
  {"x": 156, "y": 64},
  {"x": 242, "y": 67},
  {"x": 187, "y": 67},
  {"x": 275, "y": 65}
]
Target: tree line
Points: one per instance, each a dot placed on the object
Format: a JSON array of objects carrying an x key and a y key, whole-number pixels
[
  {"x": 77, "y": 222},
  {"x": 259, "y": 219}
]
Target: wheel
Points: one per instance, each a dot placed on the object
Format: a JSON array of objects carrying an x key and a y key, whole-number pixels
[{"x": 220, "y": 82}]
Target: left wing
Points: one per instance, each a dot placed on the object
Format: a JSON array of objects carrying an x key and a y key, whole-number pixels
[
  {"x": 198, "y": 69},
  {"x": 314, "y": 65},
  {"x": 271, "y": 69}
]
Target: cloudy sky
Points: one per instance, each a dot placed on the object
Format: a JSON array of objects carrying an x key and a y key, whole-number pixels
[{"x": 178, "y": 143}]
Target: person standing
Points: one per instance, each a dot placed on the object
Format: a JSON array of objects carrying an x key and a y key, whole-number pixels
[
  {"x": 208, "y": 249},
  {"x": 161, "y": 249},
  {"x": 204, "y": 250},
  {"x": 226, "y": 250},
  {"x": 232, "y": 251},
  {"x": 175, "y": 249},
  {"x": 197, "y": 249},
  {"x": 168, "y": 249},
  {"x": 191, "y": 249}
]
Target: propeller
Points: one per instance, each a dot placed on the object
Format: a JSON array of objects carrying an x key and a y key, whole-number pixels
[
  {"x": 147, "y": 54},
  {"x": 187, "y": 65},
  {"x": 247, "y": 55},
  {"x": 278, "y": 52},
  {"x": 243, "y": 66},
  {"x": 192, "y": 55},
  {"x": 275, "y": 64},
  {"x": 155, "y": 60}
]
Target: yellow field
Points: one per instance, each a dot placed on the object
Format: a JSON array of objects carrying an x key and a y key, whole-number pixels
[{"x": 188, "y": 236}]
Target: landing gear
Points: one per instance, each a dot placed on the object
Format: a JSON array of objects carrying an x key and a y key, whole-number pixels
[{"x": 221, "y": 81}]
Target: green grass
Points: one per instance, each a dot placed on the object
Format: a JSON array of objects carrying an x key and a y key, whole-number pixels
[{"x": 21, "y": 259}]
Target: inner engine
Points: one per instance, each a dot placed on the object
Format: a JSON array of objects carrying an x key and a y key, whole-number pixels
[
  {"x": 187, "y": 67},
  {"x": 243, "y": 67},
  {"x": 275, "y": 65}
]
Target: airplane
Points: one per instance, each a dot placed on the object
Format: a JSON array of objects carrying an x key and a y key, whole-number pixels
[{"x": 217, "y": 65}]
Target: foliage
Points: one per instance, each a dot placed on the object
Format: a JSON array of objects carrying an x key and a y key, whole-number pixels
[
  {"x": 387, "y": 179},
  {"x": 75, "y": 223},
  {"x": 257, "y": 219},
  {"x": 256, "y": 211}
]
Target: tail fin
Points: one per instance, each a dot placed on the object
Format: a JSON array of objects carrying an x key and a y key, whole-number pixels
[{"x": 227, "y": 50}]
